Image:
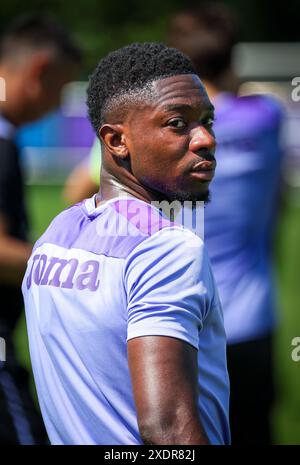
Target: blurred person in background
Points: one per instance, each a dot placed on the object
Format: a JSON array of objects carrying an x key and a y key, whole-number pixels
[
  {"x": 37, "y": 57},
  {"x": 239, "y": 221},
  {"x": 83, "y": 181}
]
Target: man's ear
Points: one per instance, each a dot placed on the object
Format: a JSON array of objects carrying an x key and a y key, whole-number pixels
[{"x": 113, "y": 137}]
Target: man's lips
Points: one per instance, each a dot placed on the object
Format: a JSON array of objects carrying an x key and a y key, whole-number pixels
[
  {"x": 204, "y": 165},
  {"x": 204, "y": 170}
]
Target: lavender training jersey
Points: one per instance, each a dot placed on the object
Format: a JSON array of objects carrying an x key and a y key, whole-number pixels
[{"x": 98, "y": 277}]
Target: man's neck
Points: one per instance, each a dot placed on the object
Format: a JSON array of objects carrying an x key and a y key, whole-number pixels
[{"x": 111, "y": 187}]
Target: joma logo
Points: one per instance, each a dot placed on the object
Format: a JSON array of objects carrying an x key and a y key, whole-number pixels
[{"x": 66, "y": 274}]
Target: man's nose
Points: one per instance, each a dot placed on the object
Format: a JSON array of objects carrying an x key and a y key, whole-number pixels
[{"x": 201, "y": 139}]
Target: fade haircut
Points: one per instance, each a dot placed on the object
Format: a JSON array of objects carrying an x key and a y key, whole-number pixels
[
  {"x": 32, "y": 32},
  {"x": 125, "y": 76}
]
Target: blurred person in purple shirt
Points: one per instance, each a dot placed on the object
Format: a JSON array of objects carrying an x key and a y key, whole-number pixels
[{"x": 239, "y": 221}]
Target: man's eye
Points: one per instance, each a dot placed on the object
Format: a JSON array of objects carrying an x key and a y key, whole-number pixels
[{"x": 177, "y": 123}]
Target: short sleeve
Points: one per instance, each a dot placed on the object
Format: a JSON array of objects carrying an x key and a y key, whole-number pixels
[{"x": 169, "y": 286}]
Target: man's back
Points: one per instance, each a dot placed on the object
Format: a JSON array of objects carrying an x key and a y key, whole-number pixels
[{"x": 97, "y": 278}]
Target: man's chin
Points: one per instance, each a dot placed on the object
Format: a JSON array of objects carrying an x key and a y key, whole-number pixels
[{"x": 192, "y": 197}]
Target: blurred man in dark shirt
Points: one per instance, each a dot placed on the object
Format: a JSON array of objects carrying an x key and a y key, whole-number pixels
[{"x": 37, "y": 57}]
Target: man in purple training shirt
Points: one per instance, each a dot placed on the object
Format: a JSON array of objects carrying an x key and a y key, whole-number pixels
[{"x": 125, "y": 326}]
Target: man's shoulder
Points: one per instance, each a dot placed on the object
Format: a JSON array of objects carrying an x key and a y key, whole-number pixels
[
  {"x": 174, "y": 245},
  {"x": 117, "y": 229},
  {"x": 63, "y": 229}
]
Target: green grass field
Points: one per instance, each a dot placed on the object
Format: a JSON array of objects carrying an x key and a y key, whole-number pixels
[
  {"x": 45, "y": 202},
  {"x": 287, "y": 412}
]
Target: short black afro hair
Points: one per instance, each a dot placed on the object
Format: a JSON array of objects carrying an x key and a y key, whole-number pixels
[{"x": 128, "y": 70}]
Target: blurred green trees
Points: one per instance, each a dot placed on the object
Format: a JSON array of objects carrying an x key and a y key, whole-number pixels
[{"x": 101, "y": 25}]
